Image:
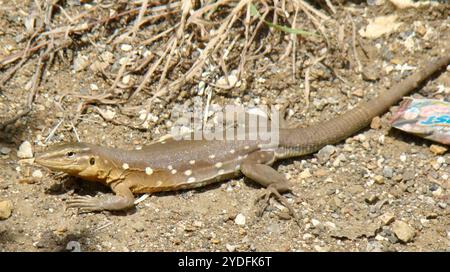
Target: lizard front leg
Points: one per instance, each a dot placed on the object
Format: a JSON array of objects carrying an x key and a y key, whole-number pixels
[
  {"x": 255, "y": 167},
  {"x": 123, "y": 199}
]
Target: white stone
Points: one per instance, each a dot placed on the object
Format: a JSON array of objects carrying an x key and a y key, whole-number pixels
[{"x": 25, "y": 151}]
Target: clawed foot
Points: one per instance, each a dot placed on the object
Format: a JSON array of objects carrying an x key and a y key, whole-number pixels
[
  {"x": 264, "y": 197},
  {"x": 92, "y": 204},
  {"x": 85, "y": 204}
]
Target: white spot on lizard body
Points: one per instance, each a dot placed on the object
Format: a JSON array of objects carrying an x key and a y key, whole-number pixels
[
  {"x": 148, "y": 170},
  {"x": 191, "y": 180}
]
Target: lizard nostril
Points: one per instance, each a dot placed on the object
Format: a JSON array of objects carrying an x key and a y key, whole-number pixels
[{"x": 92, "y": 161}]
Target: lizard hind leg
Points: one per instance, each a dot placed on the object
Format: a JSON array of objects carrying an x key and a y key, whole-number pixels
[{"x": 255, "y": 167}]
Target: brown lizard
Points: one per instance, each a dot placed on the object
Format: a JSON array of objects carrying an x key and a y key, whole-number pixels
[{"x": 171, "y": 164}]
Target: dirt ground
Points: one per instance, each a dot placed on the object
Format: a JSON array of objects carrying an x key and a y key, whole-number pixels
[{"x": 381, "y": 190}]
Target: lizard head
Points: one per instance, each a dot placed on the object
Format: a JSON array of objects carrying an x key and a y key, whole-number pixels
[{"x": 77, "y": 159}]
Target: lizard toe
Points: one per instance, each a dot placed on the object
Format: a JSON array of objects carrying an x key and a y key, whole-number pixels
[
  {"x": 84, "y": 204},
  {"x": 265, "y": 196}
]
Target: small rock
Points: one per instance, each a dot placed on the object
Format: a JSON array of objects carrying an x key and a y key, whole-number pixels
[
  {"x": 126, "y": 79},
  {"x": 73, "y": 246},
  {"x": 6, "y": 208},
  {"x": 358, "y": 93},
  {"x": 376, "y": 123},
  {"x": 321, "y": 172},
  {"x": 442, "y": 205},
  {"x": 308, "y": 236},
  {"x": 325, "y": 153},
  {"x": 230, "y": 248},
  {"x": 305, "y": 174},
  {"x": 408, "y": 175},
  {"x": 438, "y": 149},
  {"x": 369, "y": 74},
  {"x": 37, "y": 174},
  {"x": 5, "y": 150},
  {"x": 94, "y": 87},
  {"x": 80, "y": 62},
  {"x": 315, "y": 222},
  {"x": 388, "y": 172},
  {"x": 321, "y": 249},
  {"x": 330, "y": 225},
  {"x": 378, "y": 179},
  {"x": 138, "y": 227},
  {"x": 126, "y": 47},
  {"x": 402, "y": 157},
  {"x": 372, "y": 199},
  {"x": 355, "y": 189},
  {"x": 240, "y": 219},
  {"x": 403, "y": 231},
  {"x": 387, "y": 218},
  {"x": 25, "y": 151}
]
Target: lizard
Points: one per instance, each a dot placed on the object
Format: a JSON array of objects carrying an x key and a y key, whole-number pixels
[{"x": 169, "y": 164}]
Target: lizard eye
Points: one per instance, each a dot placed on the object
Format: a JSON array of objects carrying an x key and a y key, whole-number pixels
[
  {"x": 70, "y": 154},
  {"x": 92, "y": 161}
]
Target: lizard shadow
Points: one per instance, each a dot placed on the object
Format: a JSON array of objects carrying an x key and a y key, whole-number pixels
[{"x": 409, "y": 138}]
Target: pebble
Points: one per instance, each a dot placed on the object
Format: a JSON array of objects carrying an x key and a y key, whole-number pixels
[
  {"x": 325, "y": 153},
  {"x": 402, "y": 157},
  {"x": 305, "y": 174},
  {"x": 37, "y": 174},
  {"x": 126, "y": 47},
  {"x": 80, "y": 62},
  {"x": 376, "y": 123},
  {"x": 315, "y": 222},
  {"x": 126, "y": 79},
  {"x": 5, "y": 150},
  {"x": 438, "y": 149},
  {"x": 358, "y": 93},
  {"x": 240, "y": 219},
  {"x": 73, "y": 246},
  {"x": 388, "y": 172},
  {"x": 321, "y": 249},
  {"x": 378, "y": 179},
  {"x": 230, "y": 248},
  {"x": 94, "y": 87},
  {"x": 408, "y": 175},
  {"x": 372, "y": 199},
  {"x": 387, "y": 218},
  {"x": 25, "y": 151},
  {"x": 440, "y": 160},
  {"x": 330, "y": 225},
  {"x": 403, "y": 231},
  {"x": 138, "y": 227},
  {"x": 6, "y": 208}
]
